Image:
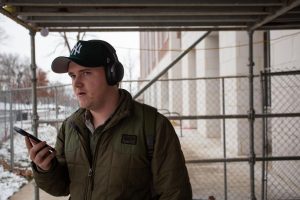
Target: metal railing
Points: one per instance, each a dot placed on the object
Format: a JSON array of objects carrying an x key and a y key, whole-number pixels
[{"x": 169, "y": 114}]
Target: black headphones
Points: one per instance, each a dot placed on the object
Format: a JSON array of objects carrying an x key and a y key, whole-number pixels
[{"x": 114, "y": 70}]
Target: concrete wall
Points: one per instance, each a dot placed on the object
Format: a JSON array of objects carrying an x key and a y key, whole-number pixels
[{"x": 285, "y": 50}]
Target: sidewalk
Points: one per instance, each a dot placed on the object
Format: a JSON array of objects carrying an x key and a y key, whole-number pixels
[{"x": 27, "y": 192}]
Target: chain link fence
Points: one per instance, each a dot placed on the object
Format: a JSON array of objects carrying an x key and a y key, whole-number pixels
[
  {"x": 214, "y": 132},
  {"x": 282, "y": 178},
  {"x": 54, "y": 103},
  {"x": 210, "y": 116}
]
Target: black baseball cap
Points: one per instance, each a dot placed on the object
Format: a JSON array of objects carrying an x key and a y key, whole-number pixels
[{"x": 91, "y": 53}]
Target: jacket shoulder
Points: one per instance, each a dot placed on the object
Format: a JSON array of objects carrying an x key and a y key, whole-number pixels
[{"x": 144, "y": 107}]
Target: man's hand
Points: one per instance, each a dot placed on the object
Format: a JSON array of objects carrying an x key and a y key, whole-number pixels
[{"x": 39, "y": 153}]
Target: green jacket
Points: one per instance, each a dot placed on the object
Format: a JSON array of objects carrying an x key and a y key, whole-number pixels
[{"x": 120, "y": 167}]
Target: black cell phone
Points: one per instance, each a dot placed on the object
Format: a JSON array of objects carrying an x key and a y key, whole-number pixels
[{"x": 24, "y": 133}]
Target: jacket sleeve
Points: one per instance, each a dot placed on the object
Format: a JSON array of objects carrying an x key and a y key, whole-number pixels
[
  {"x": 56, "y": 181},
  {"x": 170, "y": 176}
]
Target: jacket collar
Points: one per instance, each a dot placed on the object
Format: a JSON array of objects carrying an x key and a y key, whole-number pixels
[{"x": 124, "y": 109}]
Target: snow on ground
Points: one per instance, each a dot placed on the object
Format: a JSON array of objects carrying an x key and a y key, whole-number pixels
[{"x": 10, "y": 182}]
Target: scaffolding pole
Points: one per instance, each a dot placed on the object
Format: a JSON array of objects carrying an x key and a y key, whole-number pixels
[
  {"x": 265, "y": 88},
  {"x": 251, "y": 117},
  {"x": 34, "y": 98}
]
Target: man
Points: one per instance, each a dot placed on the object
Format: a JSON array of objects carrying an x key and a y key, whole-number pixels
[{"x": 112, "y": 147}]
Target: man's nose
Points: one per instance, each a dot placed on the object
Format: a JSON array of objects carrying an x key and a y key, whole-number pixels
[{"x": 77, "y": 82}]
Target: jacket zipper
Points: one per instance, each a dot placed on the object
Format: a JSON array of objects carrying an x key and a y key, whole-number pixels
[
  {"x": 91, "y": 177},
  {"x": 90, "y": 180},
  {"x": 88, "y": 193},
  {"x": 92, "y": 170},
  {"x": 92, "y": 163}
]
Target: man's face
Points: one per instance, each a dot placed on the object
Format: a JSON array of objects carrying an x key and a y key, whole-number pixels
[{"x": 90, "y": 86}]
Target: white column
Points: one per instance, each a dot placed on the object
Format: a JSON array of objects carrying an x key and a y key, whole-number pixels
[
  {"x": 175, "y": 91},
  {"x": 234, "y": 61},
  {"x": 189, "y": 88},
  {"x": 212, "y": 95},
  {"x": 208, "y": 97}
]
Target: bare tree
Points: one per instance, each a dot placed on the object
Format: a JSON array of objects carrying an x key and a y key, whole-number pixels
[
  {"x": 129, "y": 71},
  {"x": 16, "y": 72},
  {"x": 66, "y": 38},
  {"x": 10, "y": 69}
]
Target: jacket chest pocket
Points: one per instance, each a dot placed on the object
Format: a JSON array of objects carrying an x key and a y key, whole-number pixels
[
  {"x": 130, "y": 147},
  {"x": 130, "y": 163}
]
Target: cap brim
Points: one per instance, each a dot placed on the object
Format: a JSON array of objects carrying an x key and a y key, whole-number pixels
[{"x": 60, "y": 64}]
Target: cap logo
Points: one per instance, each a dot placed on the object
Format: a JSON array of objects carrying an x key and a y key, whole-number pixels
[{"x": 76, "y": 49}]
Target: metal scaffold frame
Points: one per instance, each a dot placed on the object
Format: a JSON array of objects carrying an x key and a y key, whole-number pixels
[{"x": 221, "y": 15}]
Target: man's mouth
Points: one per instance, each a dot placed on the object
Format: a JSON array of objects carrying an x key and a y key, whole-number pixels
[{"x": 81, "y": 94}]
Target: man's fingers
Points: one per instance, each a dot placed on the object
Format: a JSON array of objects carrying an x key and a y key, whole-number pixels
[
  {"x": 28, "y": 143},
  {"x": 46, "y": 164},
  {"x": 35, "y": 149},
  {"x": 41, "y": 155}
]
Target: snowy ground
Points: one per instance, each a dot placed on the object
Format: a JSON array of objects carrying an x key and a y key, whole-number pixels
[{"x": 10, "y": 182}]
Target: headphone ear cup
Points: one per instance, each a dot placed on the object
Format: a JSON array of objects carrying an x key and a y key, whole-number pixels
[
  {"x": 108, "y": 74},
  {"x": 114, "y": 73},
  {"x": 119, "y": 72}
]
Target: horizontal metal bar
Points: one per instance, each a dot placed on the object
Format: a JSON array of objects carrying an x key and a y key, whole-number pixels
[
  {"x": 275, "y": 115},
  {"x": 40, "y": 87},
  {"x": 148, "y": 23},
  {"x": 109, "y": 11},
  {"x": 141, "y": 20},
  {"x": 193, "y": 79},
  {"x": 154, "y": 28},
  {"x": 178, "y": 117},
  {"x": 157, "y": 26},
  {"x": 138, "y": 12},
  {"x": 144, "y": 17},
  {"x": 207, "y": 117},
  {"x": 282, "y": 73},
  {"x": 153, "y": 3},
  {"x": 245, "y": 159},
  {"x": 148, "y": 29},
  {"x": 234, "y": 116},
  {"x": 50, "y": 121}
]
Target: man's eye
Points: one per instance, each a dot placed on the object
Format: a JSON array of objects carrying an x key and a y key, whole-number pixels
[
  {"x": 86, "y": 73},
  {"x": 72, "y": 76}
]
